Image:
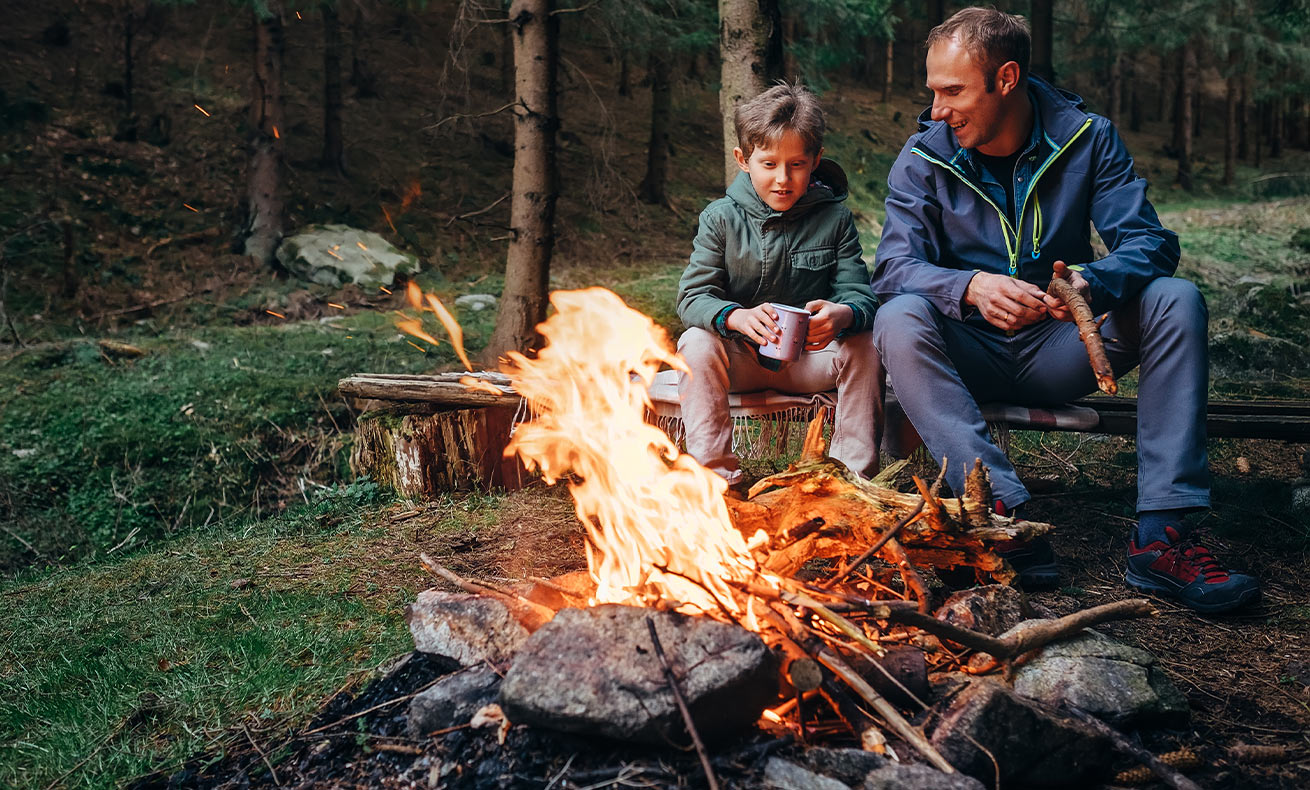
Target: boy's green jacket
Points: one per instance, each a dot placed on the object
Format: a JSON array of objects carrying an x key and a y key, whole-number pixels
[{"x": 746, "y": 254}]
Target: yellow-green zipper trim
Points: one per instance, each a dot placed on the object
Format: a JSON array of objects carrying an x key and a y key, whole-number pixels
[{"x": 1007, "y": 229}]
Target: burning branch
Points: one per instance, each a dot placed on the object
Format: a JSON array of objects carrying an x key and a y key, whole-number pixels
[{"x": 1088, "y": 330}]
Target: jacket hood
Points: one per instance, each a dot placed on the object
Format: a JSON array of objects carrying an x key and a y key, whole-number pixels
[
  {"x": 832, "y": 187},
  {"x": 1062, "y": 114}
]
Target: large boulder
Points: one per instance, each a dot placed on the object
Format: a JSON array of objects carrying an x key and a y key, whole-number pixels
[
  {"x": 468, "y": 629},
  {"x": 1118, "y": 683},
  {"x": 594, "y": 671},
  {"x": 340, "y": 254},
  {"x": 1033, "y": 746}
]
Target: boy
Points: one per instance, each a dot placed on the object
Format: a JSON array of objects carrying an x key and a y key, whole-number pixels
[{"x": 781, "y": 234}]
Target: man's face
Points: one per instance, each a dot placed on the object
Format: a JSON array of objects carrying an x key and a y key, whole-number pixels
[
  {"x": 780, "y": 172},
  {"x": 960, "y": 96}
]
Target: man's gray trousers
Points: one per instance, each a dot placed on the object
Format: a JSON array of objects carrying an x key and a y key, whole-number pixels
[{"x": 941, "y": 369}]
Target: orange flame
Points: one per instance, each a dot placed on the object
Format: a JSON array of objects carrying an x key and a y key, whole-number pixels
[
  {"x": 417, "y": 299},
  {"x": 412, "y": 193},
  {"x": 656, "y": 521}
]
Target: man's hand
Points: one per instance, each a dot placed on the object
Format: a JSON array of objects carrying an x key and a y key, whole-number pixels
[
  {"x": 1057, "y": 308},
  {"x": 826, "y": 320},
  {"x": 1006, "y": 302},
  {"x": 760, "y": 323}
]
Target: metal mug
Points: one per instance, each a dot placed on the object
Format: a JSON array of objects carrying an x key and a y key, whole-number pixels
[{"x": 793, "y": 326}]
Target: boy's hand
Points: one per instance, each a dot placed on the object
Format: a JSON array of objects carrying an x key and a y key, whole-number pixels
[
  {"x": 826, "y": 320},
  {"x": 1056, "y": 307},
  {"x": 760, "y": 323},
  {"x": 1006, "y": 302}
]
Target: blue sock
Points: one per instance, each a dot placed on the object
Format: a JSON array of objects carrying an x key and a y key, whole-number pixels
[{"x": 1151, "y": 524}]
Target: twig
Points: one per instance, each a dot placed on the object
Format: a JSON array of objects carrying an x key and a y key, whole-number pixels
[
  {"x": 457, "y": 116},
  {"x": 1028, "y": 639},
  {"x": 262, "y": 756},
  {"x": 882, "y": 541},
  {"x": 493, "y": 204},
  {"x": 537, "y": 612},
  {"x": 1167, "y": 775},
  {"x": 710, "y": 779},
  {"x": 20, "y": 539},
  {"x": 884, "y": 709},
  {"x": 1088, "y": 331},
  {"x": 367, "y": 711},
  {"x": 124, "y": 541},
  {"x": 576, "y": 9}
]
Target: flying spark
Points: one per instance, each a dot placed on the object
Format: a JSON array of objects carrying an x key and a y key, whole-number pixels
[
  {"x": 279, "y": 315},
  {"x": 193, "y": 208},
  {"x": 416, "y": 345},
  {"x": 202, "y": 109},
  {"x": 338, "y": 306}
]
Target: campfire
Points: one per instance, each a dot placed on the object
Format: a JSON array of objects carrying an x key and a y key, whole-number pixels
[{"x": 819, "y": 574}]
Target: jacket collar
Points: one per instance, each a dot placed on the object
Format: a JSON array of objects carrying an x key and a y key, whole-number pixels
[{"x": 1058, "y": 113}]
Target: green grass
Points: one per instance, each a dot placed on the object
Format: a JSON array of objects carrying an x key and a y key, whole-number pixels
[
  {"x": 212, "y": 422},
  {"x": 140, "y": 664}
]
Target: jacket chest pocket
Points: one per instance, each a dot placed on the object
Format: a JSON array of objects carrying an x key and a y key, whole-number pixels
[
  {"x": 821, "y": 259},
  {"x": 812, "y": 273}
]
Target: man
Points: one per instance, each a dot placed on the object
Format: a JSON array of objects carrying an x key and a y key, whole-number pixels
[{"x": 994, "y": 192}]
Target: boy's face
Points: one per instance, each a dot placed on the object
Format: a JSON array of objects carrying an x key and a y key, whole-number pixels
[{"x": 780, "y": 172}]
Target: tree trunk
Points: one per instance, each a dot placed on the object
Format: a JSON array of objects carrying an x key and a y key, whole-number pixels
[
  {"x": 535, "y": 181},
  {"x": 1181, "y": 101},
  {"x": 334, "y": 151},
  {"x": 743, "y": 46},
  {"x": 790, "y": 38},
  {"x": 1230, "y": 120},
  {"x": 1243, "y": 119},
  {"x": 1116, "y": 89},
  {"x": 652, "y": 189},
  {"x": 1257, "y": 133},
  {"x": 625, "y": 74},
  {"x": 1276, "y": 128},
  {"x": 129, "y": 33},
  {"x": 888, "y": 71},
  {"x": 771, "y": 18},
  {"x": 1134, "y": 96},
  {"x": 1166, "y": 89},
  {"x": 1186, "y": 87},
  {"x": 264, "y": 226},
  {"x": 362, "y": 78},
  {"x": 1043, "y": 24},
  {"x": 938, "y": 12}
]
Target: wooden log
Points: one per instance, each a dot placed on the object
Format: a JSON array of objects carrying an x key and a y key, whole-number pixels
[
  {"x": 444, "y": 389},
  {"x": 420, "y": 451}
]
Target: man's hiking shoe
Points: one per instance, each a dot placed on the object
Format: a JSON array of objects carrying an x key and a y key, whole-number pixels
[
  {"x": 1033, "y": 560},
  {"x": 1188, "y": 572}
]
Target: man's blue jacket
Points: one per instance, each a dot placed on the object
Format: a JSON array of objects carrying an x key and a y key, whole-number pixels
[{"x": 943, "y": 226}]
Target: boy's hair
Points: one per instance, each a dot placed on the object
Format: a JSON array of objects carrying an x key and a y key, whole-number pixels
[
  {"x": 786, "y": 107},
  {"x": 992, "y": 37}
]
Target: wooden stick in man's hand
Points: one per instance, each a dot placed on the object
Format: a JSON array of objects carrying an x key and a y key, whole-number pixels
[{"x": 1088, "y": 330}]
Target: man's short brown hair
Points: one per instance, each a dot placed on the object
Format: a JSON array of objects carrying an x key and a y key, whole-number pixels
[
  {"x": 786, "y": 107},
  {"x": 992, "y": 37}
]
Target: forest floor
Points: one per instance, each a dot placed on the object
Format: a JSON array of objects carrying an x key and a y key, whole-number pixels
[{"x": 189, "y": 569}]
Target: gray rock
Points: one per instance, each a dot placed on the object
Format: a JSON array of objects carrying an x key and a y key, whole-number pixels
[
  {"x": 1119, "y": 683},
  {"x": 992, "y": 609},
  {"x": 594, "y": 671},
  {"x": 452, "y": 700},
  {"x": 1301, "y": 498},
  {"x": 465, "y": 628},
  {"x": 917, "y": 776},
  {"x": 475, "y": 302},
  {"x": 1032, "y": 745},
  {"x": 786, "y": 775},
  {"x": 333, "y": 255},
  {"x": 847, "y": 765}
]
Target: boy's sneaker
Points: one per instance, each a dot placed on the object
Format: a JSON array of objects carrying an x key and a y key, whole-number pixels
[
  {"x": 1033, "y": 560},
  {"x": 1188, "y": 572}
]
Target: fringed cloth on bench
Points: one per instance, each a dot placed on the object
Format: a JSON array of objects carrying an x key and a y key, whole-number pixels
[{"x": 762, "y": 422}]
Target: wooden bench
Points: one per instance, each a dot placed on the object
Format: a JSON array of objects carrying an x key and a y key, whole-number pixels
[{"x": 424, "y": 434}]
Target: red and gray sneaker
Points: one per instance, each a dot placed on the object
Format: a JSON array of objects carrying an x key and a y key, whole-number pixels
[
  {"x": 1033, "y": 560},
  {"x": 1188, "y": 572}
]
